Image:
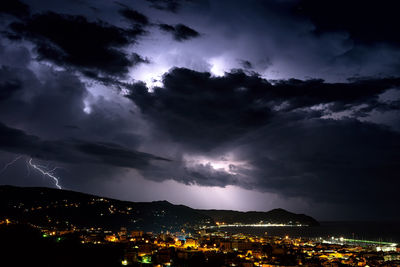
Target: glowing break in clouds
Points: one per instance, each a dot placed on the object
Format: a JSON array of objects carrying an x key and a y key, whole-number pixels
[{"x": 224, "y": 163}]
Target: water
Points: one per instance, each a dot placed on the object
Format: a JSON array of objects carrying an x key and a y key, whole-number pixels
[{"x": 376, "y": 231}]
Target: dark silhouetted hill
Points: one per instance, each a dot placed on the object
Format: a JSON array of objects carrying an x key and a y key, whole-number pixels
[
  {"x": 278, "y": 216},
  {"x": 65, "y": 209}
]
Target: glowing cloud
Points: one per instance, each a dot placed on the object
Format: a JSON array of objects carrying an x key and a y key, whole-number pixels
[{"x": 225, "y": 163}]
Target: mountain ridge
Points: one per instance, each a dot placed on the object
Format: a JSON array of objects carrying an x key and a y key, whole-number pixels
[{"x": 66, "y": 208}]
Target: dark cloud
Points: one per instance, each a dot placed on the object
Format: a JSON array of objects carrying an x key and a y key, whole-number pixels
[
  {"x": 117, "y": 155},
  {"x": 180, "y": 32},
  {"x": 7, "y": 89},
  {"x": 176, "y": 5},
  {"x": 15, "y": 8},
  {"x": 349, "y": 163},
  {"x": 246, "y": 64},
  {"x": 134, "y": 16},
  {"x": 279, "y": 129},
  {"x": 73, "y": 127},
  {"x": 74, "y": 151},
  {"x": 365, "y": 21},
  {"x": 74, "y": 41},
  {"x": 57, "y": 99},
  {"x": 327, "y": 157},
  {"x": 194, "y": 105},
  {"x": 52, "y": 109},
  {"x": 137, "y": 59},
  {"x": 313, "y": 92},
  {"x": 8, "y": 84},
  {"x": 167, "y": 5},
  {"x": 14, "y": 140}
]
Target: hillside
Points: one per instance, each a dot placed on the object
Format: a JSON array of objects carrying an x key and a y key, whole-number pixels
[{"x": 64, "y": 209}]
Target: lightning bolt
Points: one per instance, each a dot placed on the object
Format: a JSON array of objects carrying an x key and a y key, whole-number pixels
[
  {"x": 9, "y": 164},
  {"x": 42, "y": 169},
  {"x": 48, "y": 173}
]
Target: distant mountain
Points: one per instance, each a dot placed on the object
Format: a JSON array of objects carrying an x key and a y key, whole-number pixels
[
  {"x": 63, "y": 209},
  {"x": 277, "y": 216}
]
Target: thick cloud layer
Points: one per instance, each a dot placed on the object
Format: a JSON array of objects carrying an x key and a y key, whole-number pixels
[
  {"x": 134, "y": 16},
  {"x": 73, "y": 151},
  {"x": 206, "y": 111},
  {"x": 280, "y": 130},
  {"x": 366, "y": 22},
  {"x": 72, "y": 40},
  {"x": 15, "y": 8},
  {"x": 290, "y": 100}
]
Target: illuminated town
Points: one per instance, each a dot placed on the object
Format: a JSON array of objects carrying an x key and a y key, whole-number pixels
[
  {"x": 160, "y": 234},
  {"x": 219, "y": 248}
]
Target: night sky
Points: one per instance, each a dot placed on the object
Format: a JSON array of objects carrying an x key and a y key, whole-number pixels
[{"x": 245, "y": 105}]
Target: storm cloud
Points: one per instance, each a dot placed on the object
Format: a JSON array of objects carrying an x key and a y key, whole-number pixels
[
  {"x": 15, "y": 8},
  {"x": 73, "y": 41},
  {"x": 283, "y": 132},
  {"x": 180, "y": 32},
  {"x": 365, "y": 22},
  {"x": 192, "y": 105},
  {"x": 72, "y": 151},
  {"x": 167, "y": 5},
  {"x": 291, "y": 99}
]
